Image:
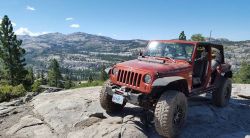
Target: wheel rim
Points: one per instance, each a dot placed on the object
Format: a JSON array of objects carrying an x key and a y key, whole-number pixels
[{"x": 178, "y": 116}]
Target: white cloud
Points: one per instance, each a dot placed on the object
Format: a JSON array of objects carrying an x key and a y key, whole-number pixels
[
  {"x": 114, "y": 35},
  {"x": 30, "y": 8},
  {"x": 26, "y": 31},
  {"x": 69, "y": 19},
  {"x": 74, "y": 26},
  {"x": 13, "y": 24},
  {"x": 99, "y": 34}
]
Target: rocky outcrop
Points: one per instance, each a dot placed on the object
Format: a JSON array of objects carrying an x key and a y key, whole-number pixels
[
  {"x": 77, "y": 113},
  {"x": 63, "y": 110},
  {"x": 8, "y": 108},
  {"x": 29, "y": 126},
  {"x": 242, "y": 90},
  {"x": 111, "y": 127}
]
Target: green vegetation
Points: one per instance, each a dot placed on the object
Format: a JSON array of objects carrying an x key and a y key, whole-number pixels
[
  {"x": 90, "y": 79},
  {"x": 36, "y": 86},
  {"x": 54, "y": 74},
  {"x": 182, "y": 36},
  {"x": 68, "y": 82},
  {"x": 104, "y": 75},
  {"x": 11, "y": 55},
  {"x": 81, "y": 74},
  {"x": 43, "y": 80},
  {"x": 29, "y": 79},
  {"x": 15, "y": 80},
  {"x": 67, "y": 79},
  {"x": 243, "y": 75},
  {"x": 8, "y": 92},
  {"x": 197, "y": 37}
]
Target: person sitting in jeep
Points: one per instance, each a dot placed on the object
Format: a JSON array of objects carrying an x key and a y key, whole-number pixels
[{"x": 216, "y": 58}]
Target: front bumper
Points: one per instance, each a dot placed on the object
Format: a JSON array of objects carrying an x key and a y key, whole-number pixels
[{"x": 127, "y": 93}]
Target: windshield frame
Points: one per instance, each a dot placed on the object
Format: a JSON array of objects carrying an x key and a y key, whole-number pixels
[{"x": 167, "y": 42}]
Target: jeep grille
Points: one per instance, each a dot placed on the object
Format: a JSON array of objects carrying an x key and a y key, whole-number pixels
[{"x": 129, "y": 78}]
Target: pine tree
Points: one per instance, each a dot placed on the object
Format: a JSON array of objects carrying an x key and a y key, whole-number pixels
[
  {"x": 182, "y": 36},
  {"x": 38, "y": 75},
  {"x": 30, "y": 75},
  {"x": 29, "y": 79},
  {"x": 11, "y": 54},
  {"x": 43, "y": 80},
  {"x": 90, "y": 79},
  {"x": 54, "y": 74},
  {"x": 68, "y": 82},
  {"x": 103, "y": 74}
]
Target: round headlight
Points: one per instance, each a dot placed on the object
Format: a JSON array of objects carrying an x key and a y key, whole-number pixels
[
  {"x": 147, "y": 78},
  {"x": 115, "y": 71}
]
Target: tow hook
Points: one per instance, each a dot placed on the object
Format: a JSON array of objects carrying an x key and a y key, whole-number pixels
[
  {"x": 123, "y": 91},
  {"x": 127, "y": 93}
]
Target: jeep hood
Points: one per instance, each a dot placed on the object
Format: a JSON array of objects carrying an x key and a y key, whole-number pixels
[{"x": 153, "y": 66}]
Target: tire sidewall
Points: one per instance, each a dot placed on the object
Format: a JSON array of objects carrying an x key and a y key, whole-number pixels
[
  {"x": 106, "y": 100},
  {"x": 224, "y": 87},
  {"x": 164, "y": 113}
]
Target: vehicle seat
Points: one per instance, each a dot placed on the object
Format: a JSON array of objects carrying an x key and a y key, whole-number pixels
[{"x": 198, "y": 71}]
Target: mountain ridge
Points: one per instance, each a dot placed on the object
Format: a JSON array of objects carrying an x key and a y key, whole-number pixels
[{"x": 79, "y": 49}]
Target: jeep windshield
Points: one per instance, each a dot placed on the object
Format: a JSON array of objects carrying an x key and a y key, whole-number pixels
[{"x": 169, "y": 50}]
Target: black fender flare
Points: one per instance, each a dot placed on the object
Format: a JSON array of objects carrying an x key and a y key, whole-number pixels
[
  {"x": 228, "y": 74},
  {"x": 166, "y": 80},
  {"x": 226, "y": 70}
]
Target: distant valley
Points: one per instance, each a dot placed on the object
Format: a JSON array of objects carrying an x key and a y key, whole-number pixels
[
  {"x": 77, "y": 42},
  {"x": 78, "y": 51}
]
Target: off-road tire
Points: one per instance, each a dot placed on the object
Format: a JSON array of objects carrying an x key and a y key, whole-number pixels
[
  {"x": 165, "y": 113},
  {"x": 222, "y": 94},
  {"x": 106, "y": 100}
]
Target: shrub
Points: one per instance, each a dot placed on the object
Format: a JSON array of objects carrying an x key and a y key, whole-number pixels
[
  {"x": 68, "y": 84},
  {"x": 5, "y": 93},
  {"x": 3, "y": 82},
  {"x": 243, "y": 75},
  {"x": 8, "y": 92},
  {"x": 18, "y": 91},
  {"x": 36, "y": 86}
]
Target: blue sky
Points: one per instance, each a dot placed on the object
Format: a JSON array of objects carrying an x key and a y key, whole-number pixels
[{"x": 131, "y": 19}]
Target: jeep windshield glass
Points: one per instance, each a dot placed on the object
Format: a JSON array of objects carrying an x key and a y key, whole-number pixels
[{"x": 169, "y": 50}]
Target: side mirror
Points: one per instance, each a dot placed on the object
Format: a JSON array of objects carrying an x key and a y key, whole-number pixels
[{"x": 189, "y": 61}]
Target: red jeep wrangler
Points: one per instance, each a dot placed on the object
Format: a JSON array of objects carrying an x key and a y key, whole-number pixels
[{"x": 164, "y": 76}]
